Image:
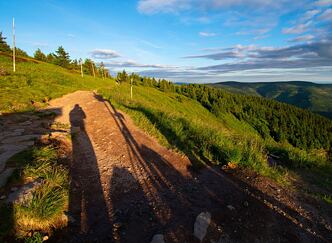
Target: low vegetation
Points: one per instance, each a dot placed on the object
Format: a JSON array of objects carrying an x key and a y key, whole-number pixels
[
  {"x": 214, "y": 126},
  {"x": 210, "y": 126},
  {"x": 41, "y": 210}
]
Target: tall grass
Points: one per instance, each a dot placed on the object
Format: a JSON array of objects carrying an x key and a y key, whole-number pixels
[
  {"x": 184, "y": 125},
  {"x": 43, "y": 209},
  {"x": 39, "y": 82}
]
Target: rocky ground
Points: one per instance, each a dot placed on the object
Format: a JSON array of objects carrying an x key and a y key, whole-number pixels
[{"x": 125, "y": 187}]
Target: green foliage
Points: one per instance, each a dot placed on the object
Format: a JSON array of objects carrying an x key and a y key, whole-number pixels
[
  {"x": 184, "y": 125},
  {"x": 19, "y": 52},
  {"x": 62, "y": 57},
  {"x": 43, "y": 210},
  {"x": 282, "y": 122},
  {"x": 4, "y": 47},
  {"x": 35, "y": 238},
  {"x": 312, "y": 96},
  {"x": 39, "y": 55},
  {"x": 122, "y": 77},
  {"x": 37, "y": 81}
]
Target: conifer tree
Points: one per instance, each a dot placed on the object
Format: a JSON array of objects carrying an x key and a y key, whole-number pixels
[
  {"x": 62, "y": 57},
  {"x": 39, "y": 55},
  {"x": 4, "y": 47}
]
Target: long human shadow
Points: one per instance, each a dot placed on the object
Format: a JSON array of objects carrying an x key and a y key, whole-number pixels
[
  {"x": 130, "y": 208},
  {"x": 179, "y": 199},
  {"x": 88, "y": 213}
]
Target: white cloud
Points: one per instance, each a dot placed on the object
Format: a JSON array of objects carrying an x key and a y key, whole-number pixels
[
  {"x": 302, "y": 38},
  {"x": 104, "y": 54},
  {"x": 133, "y": 64},
  {"x": 323, "y": 3},
  {"x": 298, "y": 29},
  {"x": 326, "y": 15},
  {"x": 310, "y": 14},
  {"x": 156, "y": 6},
  {"x": 40, "y": 44},
  {"x": 207, "y": 34},
  {"x": 174, "y": 6}
]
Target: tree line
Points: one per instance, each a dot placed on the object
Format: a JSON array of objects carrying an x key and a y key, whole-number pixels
[
  {"x": 280, "y": 121},
  {"x": 271, "y": 119},
  {"x": 61, "y": 58}
]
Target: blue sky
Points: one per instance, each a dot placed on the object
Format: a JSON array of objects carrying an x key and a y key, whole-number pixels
[{"x": 184, "y": 40}]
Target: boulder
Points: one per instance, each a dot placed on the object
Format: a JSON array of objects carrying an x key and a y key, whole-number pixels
[
  {"x": 158, "y": 238},
  {"x": 201, "y": 225},
  {"x": 24, "y": 193}
]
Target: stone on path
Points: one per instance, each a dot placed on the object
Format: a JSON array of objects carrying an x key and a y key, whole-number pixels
[
  {"x": 24, "y": 192},
  {"x": 230, "y": 207},
  {"x": 10, "y": 150},
  {"x": 158, "y": 238},
  {"x": 18, "y": 139},
  {"x": 201, "y": 225},
  {"x": 4, "y": 176}
]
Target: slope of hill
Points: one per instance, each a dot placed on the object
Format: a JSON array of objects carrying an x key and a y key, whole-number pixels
[
  {"x": 35, "y": 82},
  {"x": 209, "y": 126},
  {"x": 312, "y": 96}
]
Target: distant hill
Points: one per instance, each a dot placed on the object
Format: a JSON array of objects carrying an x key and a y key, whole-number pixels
[{"x": 312, "y": 96}]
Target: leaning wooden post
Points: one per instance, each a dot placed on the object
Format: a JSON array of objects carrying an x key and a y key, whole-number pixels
[
  {"x": 14, "y": 61},
  {"x": 131, "y": 88},
  {"x": 93, "y": 69},
  {"x": 81, "y": 62}
]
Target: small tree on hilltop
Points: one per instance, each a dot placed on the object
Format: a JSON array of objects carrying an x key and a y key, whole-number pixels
[
  {"x": 62, "y": 57},
  {"x": 122, "y": 77},
  {"x": 4, "y": 47},
  {"x": 39, "y": 55},
  {"x": 51, "y": 58}
]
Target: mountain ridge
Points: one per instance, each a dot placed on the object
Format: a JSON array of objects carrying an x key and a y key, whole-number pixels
[{"x": 315, "y": 97}]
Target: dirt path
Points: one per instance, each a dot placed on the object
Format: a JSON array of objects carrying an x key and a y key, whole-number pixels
[{"x": 125, "y": 187}]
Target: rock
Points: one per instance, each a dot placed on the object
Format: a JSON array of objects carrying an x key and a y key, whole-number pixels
[
  {"x": 201, "y": 225},
  {"x": 18, "y": 147},
  {"x": 26, "y": 123},
  {"x": 224, "y": 239},
  {"x": 7, "y": 155},
  {"x": 18, "y": 139},
  {"x": 3, "y": 197},
  {"x": 4, "y": 176},
  {"x": 24, "y": 193},
  {"x": 21, "y": 130},
  {"x": 117, "y": 225},
  {"x": 158, "y": 238},
  {"x": 230, "y": 207}
]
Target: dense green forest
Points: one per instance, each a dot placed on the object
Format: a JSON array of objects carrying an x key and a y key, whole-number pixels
[
  {"x": 307, "y": 95},
  {"x": 271, "y": 119}
]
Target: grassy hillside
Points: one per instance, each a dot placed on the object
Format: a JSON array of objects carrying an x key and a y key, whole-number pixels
[
  {"x": 307, "y": 95},
  {"x": 184, "y": 124},
  {"x": 36, "y": 82},
  {"x": 205, "y": 133}
]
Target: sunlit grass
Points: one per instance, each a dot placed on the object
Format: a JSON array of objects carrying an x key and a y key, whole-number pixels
[
  {"x": 43, "y": 210},
  {"x": 185, "y": 125},
  {"x": 39, "y": 82}
]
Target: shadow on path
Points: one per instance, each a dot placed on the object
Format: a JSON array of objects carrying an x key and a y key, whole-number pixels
[
  {"x": 88, "y": 214},
  {"x": 176, "y": 199}
]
